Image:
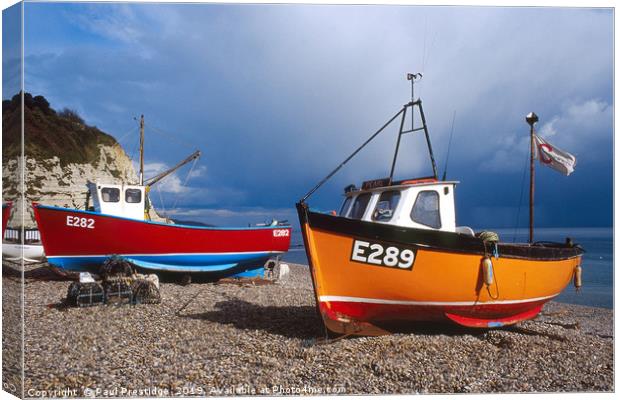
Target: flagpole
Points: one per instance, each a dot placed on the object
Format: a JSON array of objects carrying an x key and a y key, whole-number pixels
[{"x": 531, "y": 119}]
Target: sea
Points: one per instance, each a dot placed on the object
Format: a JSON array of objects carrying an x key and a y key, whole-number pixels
[{"x": 598, "y": 264}]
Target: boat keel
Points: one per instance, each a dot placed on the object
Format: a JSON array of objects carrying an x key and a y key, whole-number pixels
[{"x": 474, "y": 322}]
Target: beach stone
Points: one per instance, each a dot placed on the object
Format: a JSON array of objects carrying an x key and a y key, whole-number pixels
[{"x": 235, "y": 339}]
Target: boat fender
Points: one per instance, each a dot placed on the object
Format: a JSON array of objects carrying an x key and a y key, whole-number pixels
[
  {"x": 487, "y": 271},
  {"x": 577, "y": 277}
]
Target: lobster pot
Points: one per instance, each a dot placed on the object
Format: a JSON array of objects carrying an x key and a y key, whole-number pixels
[
  {"x": 145, "y": 291},
  {"x": 118, "y": 291},
  {"x": 85, "y": 294}
]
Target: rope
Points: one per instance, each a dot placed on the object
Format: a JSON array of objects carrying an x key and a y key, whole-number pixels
[
  {"x": 488, "y": 236},
  {"x": 514, "y": 237},
  {"x": 192, "y": 298},
  {"x": 491, "y": 238}
]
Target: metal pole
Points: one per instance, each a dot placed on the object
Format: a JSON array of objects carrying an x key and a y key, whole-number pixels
[
  {"x": 412, "y": 113},
  {"x": 400, "y": 134},
  {"x": 141, "y": 150},
  {"x": 428, "y": 139},
  {"x": 351, "y": 156},
  {"x": 531, "y": 119}
]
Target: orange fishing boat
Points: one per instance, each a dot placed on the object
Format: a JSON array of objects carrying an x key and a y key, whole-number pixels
[{"x": 394, "y": 253}]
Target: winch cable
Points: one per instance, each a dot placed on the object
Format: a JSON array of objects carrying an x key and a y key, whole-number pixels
[
  {"x": 176, "y": 199},
  {"x": 175, "y": 138}
]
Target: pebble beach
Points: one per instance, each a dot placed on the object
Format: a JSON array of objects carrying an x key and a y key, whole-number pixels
[{"x": 256, "y": 337}]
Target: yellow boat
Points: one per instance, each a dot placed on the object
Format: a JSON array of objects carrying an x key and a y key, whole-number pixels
[{"x": 395, "y": 254}]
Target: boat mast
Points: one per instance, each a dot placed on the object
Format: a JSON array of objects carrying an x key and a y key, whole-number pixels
[
  {"x": 141, "y": 150},
  {"x": 532, "y": 119},
  {"x": 401, "y": 113}
]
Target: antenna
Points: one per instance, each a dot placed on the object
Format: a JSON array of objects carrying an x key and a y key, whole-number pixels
[
  {"x": 445, "y": 168},
  {"x": 141, "y": 150}
]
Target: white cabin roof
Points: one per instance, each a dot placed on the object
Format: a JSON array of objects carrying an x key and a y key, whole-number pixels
[
  {"x": 422, "y": 205},
  {"x": 119, "y": 200}
]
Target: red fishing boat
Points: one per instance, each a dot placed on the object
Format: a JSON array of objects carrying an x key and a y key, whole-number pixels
[
  {"x": 6, "y": 213},
  {"x": 83, "y": 240},
  {"x": 115, "y": 223}
]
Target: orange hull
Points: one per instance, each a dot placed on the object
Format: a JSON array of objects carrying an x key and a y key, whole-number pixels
[{"x": 356, "y": 295}]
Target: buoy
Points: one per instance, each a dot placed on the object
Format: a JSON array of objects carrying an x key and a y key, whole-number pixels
[
  {"x": 577, "y": 277},
  {"x": 487, "y": 271}
]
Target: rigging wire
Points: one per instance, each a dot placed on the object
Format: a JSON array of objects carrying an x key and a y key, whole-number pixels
[
  {"x": 424, "y": 48},
  {"x": 161, "y": 201},
  {"x": 174, "y": 205},
  {"x": 175, "y": 138},
  {"x": 126, "y": 134},
  {"x": 527, "y": 159},
  {"x": 429, "y": 49}
]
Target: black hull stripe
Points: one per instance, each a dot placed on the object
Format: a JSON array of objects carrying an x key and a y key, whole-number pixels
[{"x": 433, "y": 240}]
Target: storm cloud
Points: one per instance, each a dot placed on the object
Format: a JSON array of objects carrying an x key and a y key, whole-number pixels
[{"x": 278, "y": 95}]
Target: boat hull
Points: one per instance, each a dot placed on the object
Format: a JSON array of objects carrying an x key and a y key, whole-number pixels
[
  {"x": 428, "y": 275},
  {"x": 6, "y": 213},
  {"x": 26, "y": 252},
  {"x": 81, "y": 241}
]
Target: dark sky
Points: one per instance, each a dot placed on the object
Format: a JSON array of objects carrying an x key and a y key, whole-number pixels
[{"x": 277, "y": 95}]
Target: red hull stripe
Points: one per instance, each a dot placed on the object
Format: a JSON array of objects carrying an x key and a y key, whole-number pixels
[
  {"x": 479, "y": 315},
  {"x": 476, "y": 322}
]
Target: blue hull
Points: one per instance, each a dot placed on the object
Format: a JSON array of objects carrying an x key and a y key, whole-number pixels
[{"x": 247, "y": 265}]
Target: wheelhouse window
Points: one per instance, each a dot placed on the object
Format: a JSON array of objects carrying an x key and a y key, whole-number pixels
[
  {"x": 359, "y": 206},
  {"x": 426, "y": 209},
  {"x": 384, "y": 211},
  {"x": 345, "y": 207},
  {"x": 110, "y": 195},
  {"x": 133, "y": 195}
]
